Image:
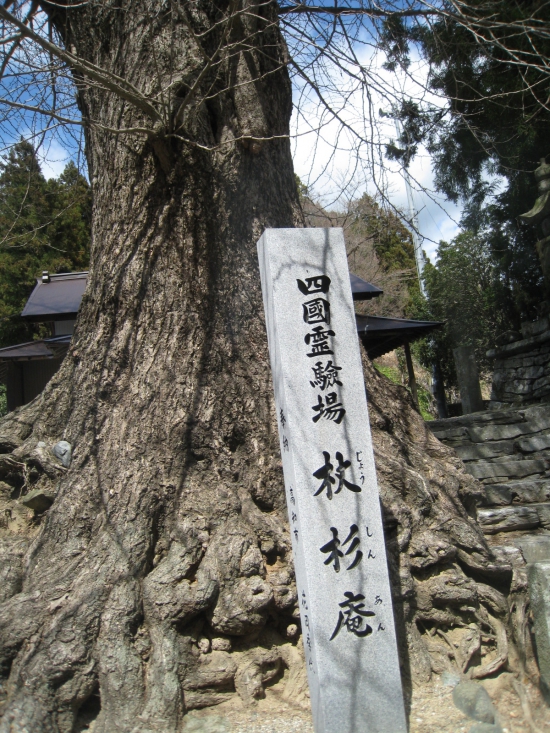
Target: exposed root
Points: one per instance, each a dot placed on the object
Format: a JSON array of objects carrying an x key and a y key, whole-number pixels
[
  {"x": 470, "y": 646},
  {"x": 501, "y": 657},
  {"x": 453, "y": 652},
  {"x": 167, "y": 610},
  {"x": 521, "y": 691}
]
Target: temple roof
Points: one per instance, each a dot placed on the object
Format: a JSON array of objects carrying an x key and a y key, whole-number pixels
[
  {"x": 41, "y": 349},
  {"x": 361, "y": 289},
  {"x": 56, "y": 297},
  {"x": 381, "y": 335}
]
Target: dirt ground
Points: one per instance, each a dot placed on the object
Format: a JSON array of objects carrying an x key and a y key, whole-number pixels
[{"x": 432, "y": 711}]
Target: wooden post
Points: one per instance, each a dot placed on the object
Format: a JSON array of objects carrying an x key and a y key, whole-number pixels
[{"x": 410, "y": 370}]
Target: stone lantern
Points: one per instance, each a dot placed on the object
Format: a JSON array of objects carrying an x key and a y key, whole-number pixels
[{"x": 540, "y": 214}]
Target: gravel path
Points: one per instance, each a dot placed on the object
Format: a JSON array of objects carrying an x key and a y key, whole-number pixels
[
  {"x": 249, "y": 723},
  {"x": 432, "y": 711}
]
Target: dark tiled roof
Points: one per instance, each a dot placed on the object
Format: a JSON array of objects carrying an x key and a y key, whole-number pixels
[
  {"x": 381, "y": 335},
  {"x": 56, "y": 300},
  {"x": 60, "y": 298},
  {"x": 361, "y": 289},
  {"x": 42, "y": 349}
]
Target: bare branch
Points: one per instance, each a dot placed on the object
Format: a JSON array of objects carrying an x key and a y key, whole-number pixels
[
  {"x": 115, "y": 84},
  {"x": 370, "y": 12}
]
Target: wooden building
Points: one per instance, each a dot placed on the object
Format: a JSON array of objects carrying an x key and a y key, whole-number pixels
[
  {"x": 25, "y": 369},
  {"x": 55, "y": 300}
]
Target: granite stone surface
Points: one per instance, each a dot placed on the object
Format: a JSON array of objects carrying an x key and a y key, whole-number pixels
[
  {"x": 332, "y": 496},
  {"x": 484, "y": 451},
  {"x": 509, "y": 468},
  {"x": 63, "y": 450},
  {"x": 522, "y": 368},
  {"x": 539, "y": 592},
  {"x": 473, "y": 700},
  {"x": 468, "y": 379},
  {"x": 508, "y": 519},
  {"x": 528, "y": 492},
  {"x": 535, "y": 548}
]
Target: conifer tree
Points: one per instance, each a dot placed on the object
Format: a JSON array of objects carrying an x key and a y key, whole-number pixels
[{"x": 44, "y": 225}]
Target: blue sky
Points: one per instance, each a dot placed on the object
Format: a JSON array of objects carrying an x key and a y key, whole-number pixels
[
  {"x": 340, "y": 160},
  {"x": 337, "y": 161}
]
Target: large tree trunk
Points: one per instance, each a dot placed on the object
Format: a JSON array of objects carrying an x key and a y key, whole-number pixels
[
  {"x": 166, "y": 395},
  {"x": 166, "y": 551}
]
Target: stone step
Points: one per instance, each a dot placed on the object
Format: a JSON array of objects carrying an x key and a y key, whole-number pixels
[
  {"x": 533, "y": 444},
  {"x": 493, "y": 424},
  {"x": 534, "y": 548},
  {"x": 511, "y": 518},
  {"x": 508, "y": 469},
  {"x": 504, "y": 417},
  {"x": 507, "y": 519},
  {"x": 530, "y": 447},
  {"x": 508, "y": 555},
  {"x": 521, "y": 492},
  {"x": 514, "y": 518},
  {"x": 480, "y": 451},
  {"x": 496, "y": 432},
  {"x": 450, "y": 434}
]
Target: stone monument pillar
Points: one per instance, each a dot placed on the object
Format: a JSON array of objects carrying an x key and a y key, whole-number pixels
[
  {"x": 468, "y": 379},
  {"x": 332, "y": 497}
]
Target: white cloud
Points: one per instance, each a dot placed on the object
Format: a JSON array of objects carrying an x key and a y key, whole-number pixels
[
  {"x": 437, "y": 217},
  {"x": 346, "y": 157},
  {"x": 53, "y": 158}
]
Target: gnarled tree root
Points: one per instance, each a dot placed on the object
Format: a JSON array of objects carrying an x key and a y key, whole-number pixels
[{"x": 162, "y": 610}]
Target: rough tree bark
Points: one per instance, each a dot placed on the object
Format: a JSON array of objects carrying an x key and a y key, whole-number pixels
[{"x": 161, "y": 579}]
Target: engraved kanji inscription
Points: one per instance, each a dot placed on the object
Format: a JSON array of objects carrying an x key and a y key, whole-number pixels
[
  {"x": 329, "y": 408},
  {"x": 334, "y": 552},
  {"x": 317, "y": 284},
  {"x": 325, "y": 375},
  {"x": 352, "y": 616},
  {"x": 317, "y": 311},
  {"x": 318, "y": 341},
  {"x": 328, "y": 480}
]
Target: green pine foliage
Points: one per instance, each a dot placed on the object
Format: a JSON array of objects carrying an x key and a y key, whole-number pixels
[
  {"x": 44, "y": 225},
  {"x": 496, "y": 128},
  {"x": 465, "y": 290}
]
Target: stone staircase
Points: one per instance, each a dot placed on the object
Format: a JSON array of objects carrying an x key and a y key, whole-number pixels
[{"x": 508, "y": 450}]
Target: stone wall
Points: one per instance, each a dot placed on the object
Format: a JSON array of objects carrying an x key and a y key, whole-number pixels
[
  {"x": 509, "y": 452},
  {"x": 522, "y": 367}
]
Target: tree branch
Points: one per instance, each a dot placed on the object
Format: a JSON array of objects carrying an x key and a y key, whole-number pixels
[
  {"x": 342, "y": 10},
  {"x": 110, "y": 81}
]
